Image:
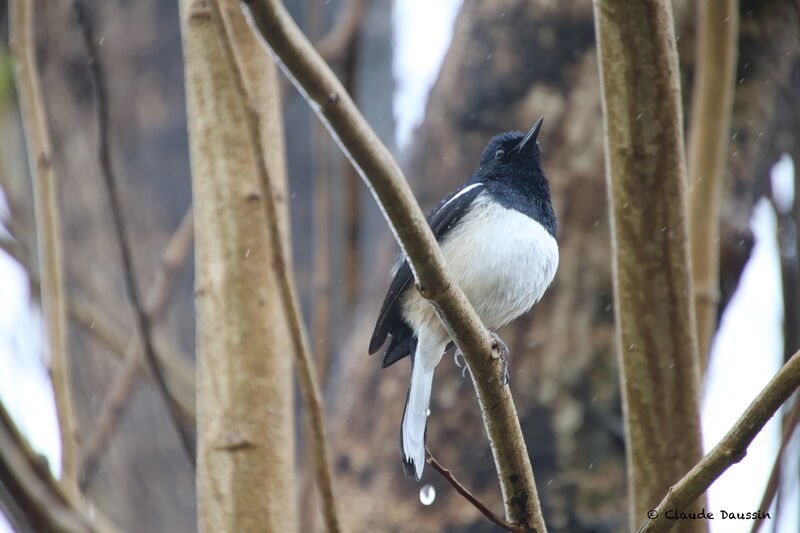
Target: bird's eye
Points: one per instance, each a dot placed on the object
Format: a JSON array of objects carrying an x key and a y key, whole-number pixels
[{"x": 499, "y": 154}]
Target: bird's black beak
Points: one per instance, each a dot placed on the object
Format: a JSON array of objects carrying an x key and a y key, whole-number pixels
[{"x": 530, "y": 139}]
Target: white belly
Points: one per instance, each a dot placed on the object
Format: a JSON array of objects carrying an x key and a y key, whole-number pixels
[{"x": 501, "y": 259}]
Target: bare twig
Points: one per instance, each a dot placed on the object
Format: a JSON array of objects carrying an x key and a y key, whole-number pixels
[
  {"x": 321, "y": 287},
  {"x": 172, "y": 259},
  {"x": 37, "y": 499},
  {"x": 34, "y": 119},
  {"x": 382, "y": 174},
  {"x": 143, "y": 325},
  {"x": 307, "y": 374},
  {"x": 731, "y": 449},
  {"x": 448, "y": 475},
  {"x": 712, "y": 103},
  {"x": 790, "y": 424}
]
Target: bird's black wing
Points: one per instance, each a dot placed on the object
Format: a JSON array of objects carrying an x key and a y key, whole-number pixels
[{"x": 390, "y": 322}]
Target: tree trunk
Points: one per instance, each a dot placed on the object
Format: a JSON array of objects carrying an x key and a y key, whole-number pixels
[
  {"x": 646, "y": 175},
  {"x": 245, "y": 475}
]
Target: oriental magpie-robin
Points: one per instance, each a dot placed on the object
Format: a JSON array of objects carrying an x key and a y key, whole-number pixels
[{"x": 497, "y": 233}]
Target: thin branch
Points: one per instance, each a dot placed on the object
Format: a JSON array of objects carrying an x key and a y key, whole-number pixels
[
  {"x": 448, "y": 475},
  {"x": 36, "y": 497},
  {"x": 143, "y": 325},
  {"x": 306, "y": 373},
  {"x": 709, "y": 134},
  {"x": 34, "y": 119},
  {"x": 172, "y": 259},
  {"x": 731, "y": 449},
  {"x": 321, "y": 287},
  {"x": 380, "y": 171},
  {"x": 790, "y": 424}
]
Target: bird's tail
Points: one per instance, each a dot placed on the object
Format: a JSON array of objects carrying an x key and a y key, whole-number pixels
[{"x": 415, "y": 419}]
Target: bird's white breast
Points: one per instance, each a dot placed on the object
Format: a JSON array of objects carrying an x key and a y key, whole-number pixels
[{"x": 502, "y": 259}]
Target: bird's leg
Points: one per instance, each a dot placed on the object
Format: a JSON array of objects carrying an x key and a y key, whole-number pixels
[{"x": 500, "y": 351}]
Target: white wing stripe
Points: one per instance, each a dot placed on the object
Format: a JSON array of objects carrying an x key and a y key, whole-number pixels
[{"x": 461, "y": 193}]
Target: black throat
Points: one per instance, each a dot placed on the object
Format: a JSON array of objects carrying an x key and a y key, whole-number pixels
[{"x": 530, "y": 195}]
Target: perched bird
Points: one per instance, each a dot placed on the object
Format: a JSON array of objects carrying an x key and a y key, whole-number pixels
[{"x": 497, "y": 233}]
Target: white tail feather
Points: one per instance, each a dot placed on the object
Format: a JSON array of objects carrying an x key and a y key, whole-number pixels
[{"x": 416, "y": 416}]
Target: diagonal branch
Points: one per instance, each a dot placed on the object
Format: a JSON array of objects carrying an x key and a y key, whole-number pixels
[
  {"x": 731, "y": 449},
  {"x": 143, "y": 324},
  {"x": 47, "y": 227},
  {"x": 336, "y": 109},
  {"x": 173, "y": 257}
]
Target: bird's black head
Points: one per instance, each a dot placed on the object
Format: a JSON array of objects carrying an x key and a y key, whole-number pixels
[
  {"x": 511, "y": 170},
  {"x": 512, "y": 155}
]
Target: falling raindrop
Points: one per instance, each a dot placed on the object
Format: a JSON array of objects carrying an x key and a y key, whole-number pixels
[
  {"x": 428, "y": 412},
  {"x": 427, "y": 494}
]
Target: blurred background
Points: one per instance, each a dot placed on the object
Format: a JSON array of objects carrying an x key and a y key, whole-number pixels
[{"x": 436, "y": 80}]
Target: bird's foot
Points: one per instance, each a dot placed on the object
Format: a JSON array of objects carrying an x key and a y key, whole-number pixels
[
  {"x": 458, "y": 358},
  {"x": 500, "y": 351}
]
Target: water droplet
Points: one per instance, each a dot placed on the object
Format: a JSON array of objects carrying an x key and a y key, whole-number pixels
[
  {"x": 427, "y": 494},
  {"x": 428, "y": 412},
  {"x": 247, "y": 253},
  {"x": 591, "y": 465}
]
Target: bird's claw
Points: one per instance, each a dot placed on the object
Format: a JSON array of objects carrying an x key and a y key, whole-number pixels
[
  {"x": 458, "y": 358},
  {"x": 500, "y": 351}
]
